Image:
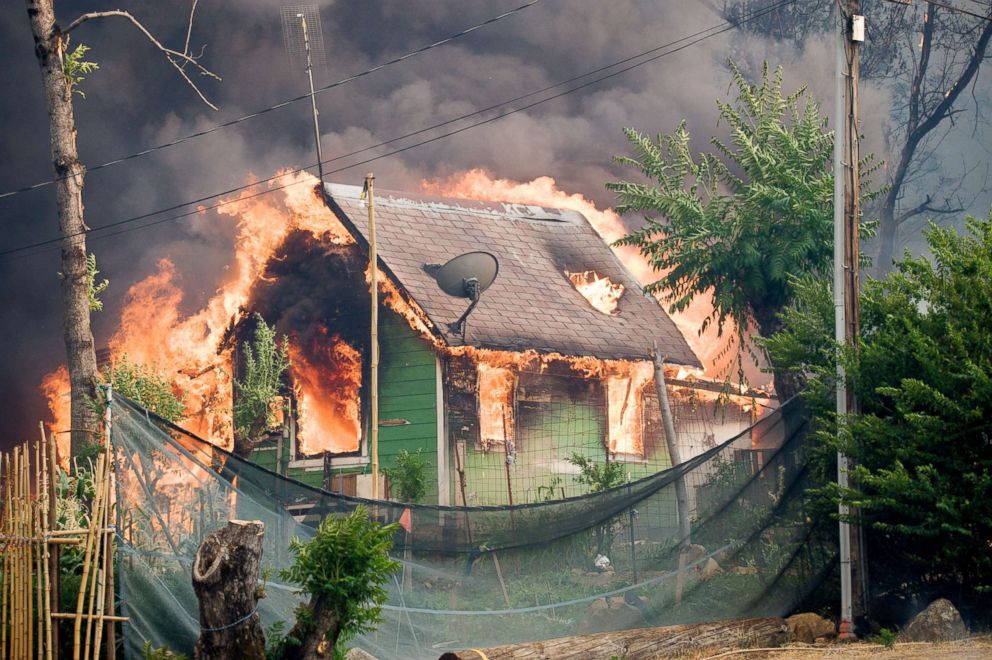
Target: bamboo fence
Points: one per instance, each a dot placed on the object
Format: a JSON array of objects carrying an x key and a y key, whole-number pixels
[{"x": 30, "y": 542}]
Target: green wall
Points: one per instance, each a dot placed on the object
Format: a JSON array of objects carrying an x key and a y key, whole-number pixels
[{"x": 407, "y": 390}]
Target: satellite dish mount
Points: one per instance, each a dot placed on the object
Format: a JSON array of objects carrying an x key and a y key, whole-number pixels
[{"x": 466, "y": 276}]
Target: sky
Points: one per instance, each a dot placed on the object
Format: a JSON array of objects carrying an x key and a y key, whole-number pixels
[{"x": 136, "y": 100}]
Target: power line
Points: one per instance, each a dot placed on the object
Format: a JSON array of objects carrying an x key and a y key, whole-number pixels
[
  {"x": 282, "y": 104},
  {"x": 689, "y": 41},
  {"x": 951, "y": 8}
]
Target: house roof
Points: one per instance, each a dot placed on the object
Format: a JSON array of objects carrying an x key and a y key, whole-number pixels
[{"x": 532, "y": 304}]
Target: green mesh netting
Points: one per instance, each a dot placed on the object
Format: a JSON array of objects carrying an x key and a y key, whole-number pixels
[{"x": 482, "y": 576}]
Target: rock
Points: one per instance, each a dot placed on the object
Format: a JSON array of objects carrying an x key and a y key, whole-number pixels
[
  {"x": 607, "y": 615},
  {"x": 940, "y": 622},
  {"x": 745, "y": 570},
  {"x": 711, "y": 569},
  {"x": 807, "y": 627},
  {"x": 358, "y": 654},
  {"x": 694, "y": 553}
]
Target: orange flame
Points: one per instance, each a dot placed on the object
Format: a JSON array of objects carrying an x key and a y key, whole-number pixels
[
  {"x": 55, "y": 388},
  {"x": 598, "y": 290},
  {"x": 328, "y": 379},
  {"x": 543, "y": 191},
  {"x": 495, "y": 405}
]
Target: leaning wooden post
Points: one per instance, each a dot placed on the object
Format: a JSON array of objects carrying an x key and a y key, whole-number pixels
[
  {"x": 369, "y": 195},
  {"x": 681, "y": 495}
]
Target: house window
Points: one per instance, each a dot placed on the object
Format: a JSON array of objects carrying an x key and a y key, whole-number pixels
[
  {"x": 327, "y": 382},
  {"x": 625, "y": 411}
]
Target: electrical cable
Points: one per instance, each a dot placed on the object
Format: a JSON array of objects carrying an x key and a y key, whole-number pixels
[
  {"x": 277, "y": 106},
  {"x": 713, "y": 31},
  {"x": 950, "y": 8}
]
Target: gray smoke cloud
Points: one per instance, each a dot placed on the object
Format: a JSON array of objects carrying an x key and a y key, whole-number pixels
[{"x": 136, "y": 100}]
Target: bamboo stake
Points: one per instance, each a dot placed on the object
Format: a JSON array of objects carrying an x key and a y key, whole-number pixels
[
  {"x": 37, "y": 532},
  {"x": 46, "y": 505},
  {"x": 25, "y": 569},
  {"x": 54, "y": 581},
  {"x": 106, "y": 538},
  {"x": 4, "y": 529},
  {"x": 97, "y": 522},
  {"x": 87, "y": 558}
]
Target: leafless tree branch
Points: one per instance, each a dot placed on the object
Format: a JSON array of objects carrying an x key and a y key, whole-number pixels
[
  {"x": 170, "y": 54},
  {"x": 189, "y": 30}
]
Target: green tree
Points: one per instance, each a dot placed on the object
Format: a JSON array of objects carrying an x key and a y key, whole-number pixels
[
  {"x": 146, "y": 387},
  {"x": 736, "y": 224},
  {"x": 265, "y": 361},
  {"x": 923, "y": 376},
  {"x": 343, "y": 569}
]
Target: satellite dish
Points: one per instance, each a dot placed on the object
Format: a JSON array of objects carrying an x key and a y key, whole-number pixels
[{"x": 468, "y": 275}]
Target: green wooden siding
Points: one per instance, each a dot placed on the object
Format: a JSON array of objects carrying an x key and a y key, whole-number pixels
[{"x": 407, "y": 390}]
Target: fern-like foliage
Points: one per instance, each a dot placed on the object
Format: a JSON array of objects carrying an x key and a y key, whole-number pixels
[
  {"x": 736, "y": 223},
  {"x": 95, "y": 288},
  {"x": 265, "y": 361},
  {"x": 344, "y": 569},
  {"x": 146, "y": 387},
  {"x": 74, "y": 67}
]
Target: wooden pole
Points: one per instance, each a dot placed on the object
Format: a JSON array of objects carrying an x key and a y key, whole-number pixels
[
  {"x": 5, "y": 530},
  {"x": 369, "y": 194},
  {"x": 45, "y": 488},
  {"x": 38, "y": 533},
  {"x": 54, "y": 584},
  {"x": 681, "y": 494},
  {"x": 88, "y": 559}
]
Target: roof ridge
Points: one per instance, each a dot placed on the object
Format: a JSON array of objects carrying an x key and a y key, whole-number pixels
[{"x": 480, "y": 208}]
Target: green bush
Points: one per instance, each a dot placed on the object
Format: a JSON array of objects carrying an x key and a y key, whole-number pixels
[
  {"x": 409, "y": 476},
  {"x": 343, "y": 569}
]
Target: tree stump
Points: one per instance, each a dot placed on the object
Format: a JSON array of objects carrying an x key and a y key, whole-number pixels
[
  {"x": 225, "y": 577},
  {"x": 666, "y": 642}
]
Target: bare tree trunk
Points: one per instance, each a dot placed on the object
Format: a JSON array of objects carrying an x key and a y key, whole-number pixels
[
  {"x": 225, "y": 577},
  {"x": 324, "y": 626},
  {"x": 924, "y": 117},
  {"x": 50, "y": 49}
]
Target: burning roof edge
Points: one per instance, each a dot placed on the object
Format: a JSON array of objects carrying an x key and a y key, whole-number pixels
[{"x": 488, "y": 209}]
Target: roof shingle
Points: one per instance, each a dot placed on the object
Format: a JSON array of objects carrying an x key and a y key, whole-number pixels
[{"x": 532, "y": 304}]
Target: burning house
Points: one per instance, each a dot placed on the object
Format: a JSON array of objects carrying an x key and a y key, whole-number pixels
[{"x": 553, "y": 361}]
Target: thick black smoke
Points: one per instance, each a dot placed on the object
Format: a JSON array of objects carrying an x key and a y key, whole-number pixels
[{"x": 136, "y": 100}]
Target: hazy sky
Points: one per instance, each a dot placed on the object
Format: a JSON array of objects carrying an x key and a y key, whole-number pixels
[{"x": 135, "y": 100}]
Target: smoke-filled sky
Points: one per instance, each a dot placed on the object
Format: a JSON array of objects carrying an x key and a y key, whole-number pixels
[{"x": 136, "y": 100}]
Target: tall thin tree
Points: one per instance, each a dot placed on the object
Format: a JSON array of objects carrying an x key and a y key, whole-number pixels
[{"x": 51, "y": 47}]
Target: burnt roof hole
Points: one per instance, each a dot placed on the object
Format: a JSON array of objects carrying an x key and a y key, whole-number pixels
[{"x": 599, "y": 290}]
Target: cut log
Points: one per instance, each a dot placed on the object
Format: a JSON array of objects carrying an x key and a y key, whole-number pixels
[
  {"x": 664, "y": 642},
  {"x": 225, "y": 577}
]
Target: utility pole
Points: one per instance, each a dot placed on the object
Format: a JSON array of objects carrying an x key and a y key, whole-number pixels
[
  {"x": 369, "y": 195},
  {"x": 313, "y": 102},
  {"x": 847, "y": 314}
]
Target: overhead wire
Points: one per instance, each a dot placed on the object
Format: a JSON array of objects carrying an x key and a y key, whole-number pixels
[
  {"x": 668, "y": 49},
  {"x": 277, "y": 106},
  {"x": 951, "y": 8}
]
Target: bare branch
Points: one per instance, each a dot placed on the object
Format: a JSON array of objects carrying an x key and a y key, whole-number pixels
[
  {"x": 189, "y": 30},
  {"x": 925, "y": 207},
  {"x": 170, "y": 54}
]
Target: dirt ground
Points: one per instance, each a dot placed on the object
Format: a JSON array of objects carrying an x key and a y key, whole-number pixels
[{"x": 976, "y": 648}]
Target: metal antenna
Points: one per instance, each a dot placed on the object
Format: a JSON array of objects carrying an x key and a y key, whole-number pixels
[{"x": 298, "y": 21}]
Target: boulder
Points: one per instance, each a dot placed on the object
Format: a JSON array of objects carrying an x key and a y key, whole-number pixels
[
  {"x": 607, "y": 615},
  {"x": 808, "y": 627},
  {"x": 358, "y": 654},
  {"x": 940, "y": 622},
  {"x": 711, "y": 569}
]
